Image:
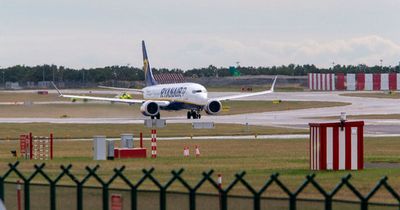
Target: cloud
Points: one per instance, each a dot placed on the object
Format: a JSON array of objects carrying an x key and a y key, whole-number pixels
[
  {"x": 223, "y": 52},
  {"x": 188, "y": 51}
]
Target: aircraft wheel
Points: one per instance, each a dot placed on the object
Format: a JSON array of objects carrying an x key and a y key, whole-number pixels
[
  {"x": 158, "y": 116},
  {"x": 152, "y": 117},
  {"x": 194, "y": 114},
  {"x": 189, "y": 114}
]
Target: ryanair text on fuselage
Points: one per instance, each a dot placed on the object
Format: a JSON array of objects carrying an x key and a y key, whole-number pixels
[{"x": 173, "y": 92}]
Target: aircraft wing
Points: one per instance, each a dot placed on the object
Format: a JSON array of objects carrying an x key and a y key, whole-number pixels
[
  {"x": 271, "y": 90},
  {"x": 123, "y": 89},
  {"x": 116, "y": 100}
]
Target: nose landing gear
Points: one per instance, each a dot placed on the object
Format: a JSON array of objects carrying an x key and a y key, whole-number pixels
[
  {"x": 194, "y": 113},
  {"x": 156, "y": 116}
]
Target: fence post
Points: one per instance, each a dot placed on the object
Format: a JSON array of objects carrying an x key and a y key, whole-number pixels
[
  {"x": 26, "y": 195},
  {"x": 79, "y": 195},
  {"x": 328, "y": 203},
  {"x": 364, "y": 204},
  {"x": 52, "y": 195},
  {"x": 192, "y": 200},
  {"x": 163, "y": 199},
  {"x": 105, "y": 197},
  {"x": 292, "y": 202},
  {"x": 133, "y": 198},
  {"x": 224, "y": 200},
  {"x": 257, "y": 204}
]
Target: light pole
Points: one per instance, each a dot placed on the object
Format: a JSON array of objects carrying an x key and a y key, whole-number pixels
[
  {"x": 4, "y": 83},
  {"x": 83, "y": 78},
  {"x": 43, "y": 74}
]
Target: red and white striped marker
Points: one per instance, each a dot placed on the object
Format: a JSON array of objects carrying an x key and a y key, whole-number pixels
[
  {"x": 197, "y": 151},
  {"x": 333, "y": 147},
  {"x": 153, "y": 143},
  {"x": 19, "y": 195},
  {"x": 219, "y": 181},
  {"x": 186, "y": 152}
]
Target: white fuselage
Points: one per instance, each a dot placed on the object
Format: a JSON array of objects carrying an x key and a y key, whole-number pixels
[{"x": 190, "y": 93}]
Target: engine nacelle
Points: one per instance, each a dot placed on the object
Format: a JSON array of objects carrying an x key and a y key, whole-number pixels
[
  {"x": 150, "y": 108},
  {"x": 213, "y": 107}
]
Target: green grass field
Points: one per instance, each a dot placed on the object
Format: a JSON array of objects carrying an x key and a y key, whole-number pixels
[
  {"x": 259, "y": 158},
  {"x": 67, "y": 131},
  {"x": 34, "y": 97},
  {"x": 237, "y": 88}
]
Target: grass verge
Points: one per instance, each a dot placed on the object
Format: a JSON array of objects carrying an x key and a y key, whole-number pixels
[
  {"x": 65, "y": 131},
  {"x": 259, "y": 158}
]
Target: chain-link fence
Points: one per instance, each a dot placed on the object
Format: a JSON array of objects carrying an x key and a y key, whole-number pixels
[{"x": 51, "y": 194}]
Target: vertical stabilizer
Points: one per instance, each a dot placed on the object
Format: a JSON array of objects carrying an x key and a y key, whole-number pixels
[{"x": 148, "y": 74}]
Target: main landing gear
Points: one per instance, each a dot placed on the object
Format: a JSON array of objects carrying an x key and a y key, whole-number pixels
[
  {"x": 194, "y": 113},
  {"x": 156, "y": 116}
]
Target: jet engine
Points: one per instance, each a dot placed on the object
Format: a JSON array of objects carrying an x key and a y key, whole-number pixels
[
  {"x": 213, "y": 107},
  {"x": 150, "y": 108}
]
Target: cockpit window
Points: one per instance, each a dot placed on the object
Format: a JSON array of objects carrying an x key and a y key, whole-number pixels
[{"x": 196, "y": 91}]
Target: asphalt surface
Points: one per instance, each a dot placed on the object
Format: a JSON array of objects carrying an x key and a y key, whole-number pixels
[{"x": 290, "y": 118}]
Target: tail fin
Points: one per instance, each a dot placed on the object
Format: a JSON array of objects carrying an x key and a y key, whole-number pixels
[{"x": 148, "y": 74}]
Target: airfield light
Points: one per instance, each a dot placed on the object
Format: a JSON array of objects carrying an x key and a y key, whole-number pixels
[
  {"x": 343, "y": 116},
  {"x": 342, "y": 120}
]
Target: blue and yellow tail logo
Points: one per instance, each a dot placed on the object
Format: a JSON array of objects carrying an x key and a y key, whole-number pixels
[{"x": 148, "y": 74}]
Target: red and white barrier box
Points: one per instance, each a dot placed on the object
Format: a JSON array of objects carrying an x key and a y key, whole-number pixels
[
  {"x": 130, "y": 153},
  {"x": 337, "y": 146}
]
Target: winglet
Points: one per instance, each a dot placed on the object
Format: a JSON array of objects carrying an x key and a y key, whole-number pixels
[
  {"x": 55, "y": 87},
  {"x": 273, "y": 83}
]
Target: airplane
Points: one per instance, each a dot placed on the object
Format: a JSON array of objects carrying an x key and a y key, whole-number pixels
[{"x": 171, "y": 97}]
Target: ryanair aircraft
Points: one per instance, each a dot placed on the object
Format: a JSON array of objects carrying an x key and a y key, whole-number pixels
[{"x": 189, "y": 96}]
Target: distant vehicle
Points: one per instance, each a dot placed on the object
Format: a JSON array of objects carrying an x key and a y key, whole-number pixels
[
  {"x": 171, "y": 97},
  {"x": 124, "y": 96}
]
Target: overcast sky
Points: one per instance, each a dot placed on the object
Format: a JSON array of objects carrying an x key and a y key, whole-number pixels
[{"x": 187, "y": 34}]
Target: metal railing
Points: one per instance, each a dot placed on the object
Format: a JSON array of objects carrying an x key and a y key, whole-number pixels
[{"x": 189, "y": 197}]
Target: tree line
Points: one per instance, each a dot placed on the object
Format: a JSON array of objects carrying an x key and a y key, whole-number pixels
[{"x": 20, "y": 73}]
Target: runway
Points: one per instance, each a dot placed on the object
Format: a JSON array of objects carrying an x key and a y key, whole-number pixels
[{"x": 290, "y": 118}]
